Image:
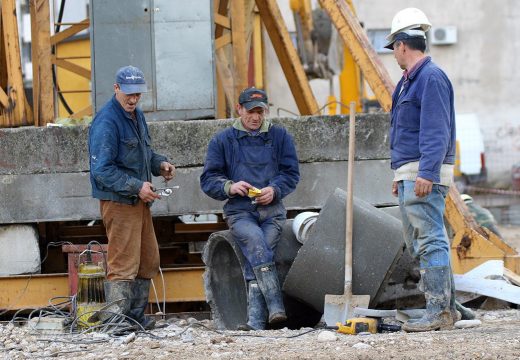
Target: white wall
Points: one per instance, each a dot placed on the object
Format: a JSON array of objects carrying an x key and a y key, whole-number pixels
[{"x": 482, "y": 66}]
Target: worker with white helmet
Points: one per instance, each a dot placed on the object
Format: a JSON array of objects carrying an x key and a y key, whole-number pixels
[{"x": 422, "y": 143}]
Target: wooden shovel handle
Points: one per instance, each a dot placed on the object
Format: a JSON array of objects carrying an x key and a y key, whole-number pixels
[{"x": 350, "y": 196}]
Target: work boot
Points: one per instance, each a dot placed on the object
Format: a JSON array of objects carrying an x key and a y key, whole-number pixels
[
  {"x": 437, "y": 291},
  {"x": 458, "y": 311},
  {"x": 140, "y": 294},
  {"x": 256, "y": 309},
  {"x": 267, "y": 279},
  {"x": 117, "y": 297}
]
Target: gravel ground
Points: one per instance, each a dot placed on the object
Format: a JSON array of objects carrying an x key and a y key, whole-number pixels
[{"x": 497, "y": 338}]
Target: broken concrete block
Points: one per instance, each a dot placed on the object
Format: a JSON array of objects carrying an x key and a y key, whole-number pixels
[
  {"x": 20, "y": 251},
  {"x": 466, "y": 324},
  {"x": 319, "y": 267}
]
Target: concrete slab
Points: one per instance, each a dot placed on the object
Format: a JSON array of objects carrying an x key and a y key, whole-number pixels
[
  {"x": 66, "y": 196},
  {"x": 319, "y": 266},
  {"x": 20, "y": 251},
  {"x": 31, "y": 150}
]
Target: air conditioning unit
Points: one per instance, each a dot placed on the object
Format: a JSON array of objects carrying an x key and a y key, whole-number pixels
[{"x": 443, "y": 35}]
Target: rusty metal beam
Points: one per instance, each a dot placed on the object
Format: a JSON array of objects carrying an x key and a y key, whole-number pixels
[
  {"x": 287, "y": 56},
  {"x": 34, "y": 291},
  {"x": 364, "y": 54}
]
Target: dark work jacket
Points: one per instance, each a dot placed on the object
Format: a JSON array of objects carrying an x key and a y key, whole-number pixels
[
  {"x": 121, "y": 156},
  {"x": 267, "y": 159},
  {"x": 423, "y": 121}
]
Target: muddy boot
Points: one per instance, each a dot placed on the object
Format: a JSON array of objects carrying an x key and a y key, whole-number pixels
[
  {"x": 437, "y": 291},
  {"x": 256, "y": 309},
  {"x": 267, "y": 279},
  {"x": 140, "y": 293},
  {"x": 118, "y": 298},
  {"x": 455, "y": 314},
  {"x": 467, "y": 313}
]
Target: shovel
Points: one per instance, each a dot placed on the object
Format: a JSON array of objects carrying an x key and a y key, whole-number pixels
[{"x": 339, "y": 308}]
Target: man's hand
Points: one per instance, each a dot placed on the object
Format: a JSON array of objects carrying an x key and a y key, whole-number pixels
[
  {"x": 422, "y": 187},
  {"x": 147, "y": 194},
  {"x": 167, "y": 170},
  {"x": 394, "y": 189},
  {"x": 240, "y": 188},
  {"x": 266, "y": 197}
]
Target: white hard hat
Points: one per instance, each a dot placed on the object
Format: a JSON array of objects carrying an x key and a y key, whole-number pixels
[
  {"x": 466, "y": 198},
  {"x": 409, "y": 18}
]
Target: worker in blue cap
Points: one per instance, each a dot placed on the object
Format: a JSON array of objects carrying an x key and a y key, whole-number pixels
[
  {"x": 122, "y": 163},
  {"x": 256, "y": 158}
]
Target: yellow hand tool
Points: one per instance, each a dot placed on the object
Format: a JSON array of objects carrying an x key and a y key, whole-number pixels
[{"x": 363, "y": 324}]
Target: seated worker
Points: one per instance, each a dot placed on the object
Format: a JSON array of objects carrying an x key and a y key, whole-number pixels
[
  {"x": 482, "y": 216},
  {"x": 253, "y": 153}
]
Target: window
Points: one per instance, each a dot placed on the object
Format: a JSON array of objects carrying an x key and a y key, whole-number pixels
[{"x": 378, "y": 40}]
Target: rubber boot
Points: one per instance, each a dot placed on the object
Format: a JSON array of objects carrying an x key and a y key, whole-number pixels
[
  {"x": 459, "y": 311},
  {"x": 267, "y": 279},
  {"x": 256, "y": 309},
  {"x": 118, "y": 296},
  {"x": 437, "y": 291},
  {"x": 140, "y": 293}
]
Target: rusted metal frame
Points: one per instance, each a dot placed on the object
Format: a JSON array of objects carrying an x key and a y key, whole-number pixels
[
  {"x": 287, "y": 56},
  {"x": 43, "y": 88},
  {"x": 14, "y": 65},
  {"x": 76, "y": 69},
  {"x": 70, "y": 31},
  {"x": 364, "y": 54},
  {"x": 34, "y": 291}
]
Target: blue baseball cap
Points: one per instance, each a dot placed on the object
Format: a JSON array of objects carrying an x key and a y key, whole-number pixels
[
  {"x": 131, "y": 80},
  {"x": 253, "y": 97}
]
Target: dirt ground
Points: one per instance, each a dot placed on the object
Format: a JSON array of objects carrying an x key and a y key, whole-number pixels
[{"x": 497, "y": 338}]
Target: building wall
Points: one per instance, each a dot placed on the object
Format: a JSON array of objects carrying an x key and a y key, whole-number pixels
[{"x": 482, "y": 66}]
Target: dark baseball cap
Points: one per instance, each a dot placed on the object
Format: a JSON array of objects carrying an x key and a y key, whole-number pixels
[
  {"x": 405, "y": 35},
  {"x": 131, "y": 80},
  {"x": 253, "y": 97}
]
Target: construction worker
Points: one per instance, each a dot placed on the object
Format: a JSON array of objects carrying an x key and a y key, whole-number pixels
[
  {"x": 482, "y": 216},
  {"x": 422, "y": 143},
  {"x": 121, "y": 166},
  {"x": 253, "y": 153}
]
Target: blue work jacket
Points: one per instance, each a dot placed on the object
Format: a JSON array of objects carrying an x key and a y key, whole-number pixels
[
  {"x": 423, "y": 121},
  {"x": 267, "y": 159},
  {"x": 121, "y": 155}
]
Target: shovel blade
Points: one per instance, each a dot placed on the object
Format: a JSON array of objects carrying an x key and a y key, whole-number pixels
[{"x": 339, "y": 308}]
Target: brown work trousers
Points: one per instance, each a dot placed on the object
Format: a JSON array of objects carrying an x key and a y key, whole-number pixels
[{"x": 133, "y": 251}]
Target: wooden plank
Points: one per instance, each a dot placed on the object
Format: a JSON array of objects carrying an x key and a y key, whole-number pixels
[
  {"x": 287, "y": 56},
  {"x": 14, "y": 65},
  {"x": 4, "y": 99},
  {"x": 361, "y": 49},
  {"x": 43, "y": 87},
  {"x": 70, "y": 31},
  {"x": 221, "y": 8},
  {"x": 239, "y": 44},
  {"x": 511, "y": 276},
  {"x": 222, "y": 41},
  {"x": 258, "y": 51},
  {"x": 86, "y": 111},
  {"x": 226, "y": 76},
  {"x": 76, "y": 69},
  {"x": 223, "y": 21}
]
